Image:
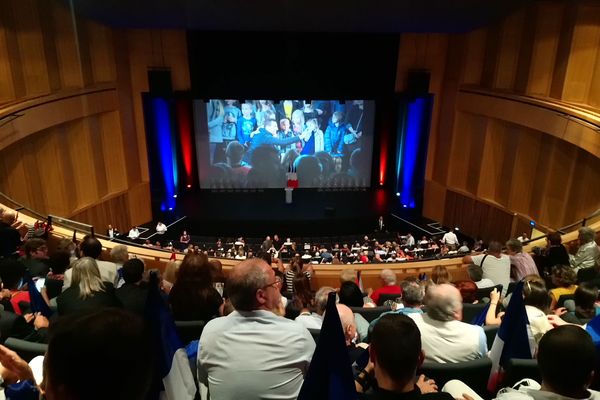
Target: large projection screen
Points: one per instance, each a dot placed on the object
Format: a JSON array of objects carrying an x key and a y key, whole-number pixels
[{"x": 252, "y": 144}]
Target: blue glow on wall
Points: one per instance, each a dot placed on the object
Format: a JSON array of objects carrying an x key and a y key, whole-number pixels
[
  {"x": 166, "y": 151},
  {"x": 413, "y": 132}
]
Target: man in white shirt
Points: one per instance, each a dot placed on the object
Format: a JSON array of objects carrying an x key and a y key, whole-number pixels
[
  {"x": 253, "y": 353},
  {"x": 451, "y": 240},
  {"x": 410, "y": 240},
  {"x": 494, "y": 264},
  {"x": 161, "y": 228},
  {"x": 445, "y": 338},
  {"x": 91, "y": 247},
  {"x": 134, "y": 233}
]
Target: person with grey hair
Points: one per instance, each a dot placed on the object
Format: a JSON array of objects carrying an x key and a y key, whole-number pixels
[
  {"x": 445, "y": 338},
  {"x": 412, "y": 301},
  {"x": 588, "y": 254},
  {"x": 521, "y": 262},
  {"x": 494, "y": 264},
  {"x": 476, "y": 274},
  {"x": 253, "y": 353},
  {"x": 388, "y": 280}
]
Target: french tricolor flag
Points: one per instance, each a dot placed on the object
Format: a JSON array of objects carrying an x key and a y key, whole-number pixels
[
  {"x": 176, "y": 378},
  {"x": 513, "y": 340}
]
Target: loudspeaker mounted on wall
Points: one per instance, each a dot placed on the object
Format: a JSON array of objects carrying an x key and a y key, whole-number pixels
[{"x": 159, "y": 82}]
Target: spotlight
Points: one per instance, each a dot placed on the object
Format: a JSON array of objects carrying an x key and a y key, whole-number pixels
[
  {"x": 380, "y": 183},
  {"x": 189, "y": 186},
  {"x": 170, "y": 208},
  {"x": 397, "y": 194},
  {"x": 174, "y": 196},
  {"x": 532, "y": 223},
  {"x": 456, "y": 229},
  {"x": 404, "y": 205}
]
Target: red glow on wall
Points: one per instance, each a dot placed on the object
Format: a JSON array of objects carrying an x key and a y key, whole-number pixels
[
  {"x": 184, "y": 121},
  {"x": 380, "y": 201},
  {"x": 383, "y": 154}
]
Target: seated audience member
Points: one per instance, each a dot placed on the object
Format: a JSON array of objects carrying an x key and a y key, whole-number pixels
[
  {"x": 193, "y": 297},
  {"x": 585, "y": 309},
  {"x": 468, "y": 291},
  {"x": 10, "y": 238},
  {"x": 566, "y": 359},
  {"x": 439, "y": 275},
  {"x": 588, "y": 254},
  {"x": 314, "y": 320},
  {"x": 59, "y": 261},
  {"x": 494, "y": 264},
  {"x": 564, "y": 278},
  {"x": 119, "y": 255},
  {"x": 521, "y": 262},
  {"x": 36, "y": 257},
  {"x": 412, "y": 300},
  {"x": 394, "y": 363},
  {"x": 476, "y": 274},
  {"x": 236, "y": 357},
  {"x": 161, "y": 228},
  {"x": 445, "y": 338},
  {"x": 91, "y": 247},
  {"x": 295, "y": 267},
  {"x": 536, "y": 299},
  {"x": 350, "y": 333},
  {"x": 554, "y": 254},
  {"x": 169, "y": 277},
  {"x": 83, "y": 347},
  {"x": 464, "y": 248},
  {"x": 12, "y": 275},
  {"x": 134, "y": 292},
  {"x": 134, "y": 233},
  {"x": 303, "y": 299},
  {"x": 389, "y": 286},
  {"x": 88, "y": 292},
  {"x": 351, "y": 295}
]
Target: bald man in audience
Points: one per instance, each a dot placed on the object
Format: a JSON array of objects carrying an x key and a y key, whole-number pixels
[
  {"x": 445, "y": 338},
  {"x": 253, "y": 353},
  {"x": 350, "y": 333}
]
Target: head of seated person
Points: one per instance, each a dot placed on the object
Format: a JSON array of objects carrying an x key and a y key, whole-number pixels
[
  {"x": 90, "y": 247},
  {"x": 133, "y": 271},
  {"x": 563, "y": 276},
  {"x": 11, "y": 273},
  {"x": 468, "y": 291},
  {"x": 444, "y": 303},
  {"x": 327, "y": 163},
  {"x": 252, "y": 285},
  {"x": 566, "y": 359},
  {"x": 412, "y": 293},
  {"x": 83, "y": 348},
  {"x": 86, "y": 276},
  {"x": 396, "y": 361},
  {"x": 535, "y": 293},
  {"x": 440, "y": 274}
]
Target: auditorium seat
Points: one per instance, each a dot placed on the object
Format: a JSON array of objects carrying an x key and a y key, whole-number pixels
[
  {"x": 384, "y": 297},
  {"x": 26, "y": 350},
  {"x": 474, "y": 373},
  {"x": 189, "y": 330},
  {"x": 563, "y": 298},
  {"x": 315, "y": 333},
  {"x": 519, "y": 368},
  {"x": 483, "y": 293},
  {"x": 470, "y": 311},
  {"x": 370, "y": 313},
  {"x": 490, "y": 334}
]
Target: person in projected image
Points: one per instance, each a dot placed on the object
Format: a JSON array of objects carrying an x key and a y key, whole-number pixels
[
  {"x": 266, "y": 171},
  {"x": 334, "y": 134},
  {"x": 298, "y": 126},
  {"x": 312, "y": 138},
  {"x": 239, "y": 169},
  {"x": 215, "y": 114},
  {"x": 246, "y": 124},
  {"x": 232, "y": 113},
  {"x": 268, "y": 136},
  {"x": 285, "y": 131},
  {"x": 264, "y": 110}
]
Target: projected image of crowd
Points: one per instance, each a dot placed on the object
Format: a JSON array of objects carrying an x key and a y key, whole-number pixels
[{"x": 255, "y": 143}]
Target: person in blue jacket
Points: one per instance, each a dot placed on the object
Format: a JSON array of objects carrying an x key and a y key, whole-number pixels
[{"x": 267, "y": 136}]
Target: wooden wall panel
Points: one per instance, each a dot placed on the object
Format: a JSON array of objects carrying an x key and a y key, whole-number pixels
[
  {"x": 584, "y": 50},
  {"x": 436, "y": 195},
  {"x": 7, "y": 92},
  {"x": 527, "y": 153},
  {"x": 459, "y": 154},
  {"x": 67, "y": 49},
  {"x": 101, "y": 53},
  {"x": 545, "y": 46},
  {"x": 112, "y": 150},
  {"x": 80, "y": 152},
  {"x": 47, "y": 145},
  {"x": 508, "y": 51},
  {"x": 476, "y": 138},
  {"x": 475, "y": 54}
]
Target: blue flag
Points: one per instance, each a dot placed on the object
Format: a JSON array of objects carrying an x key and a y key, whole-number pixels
[
  {"x": 514, "y": 338},
  {"x": 479, "y": 319},
  {"x": 176, "y": 379},
  {"x": 330, "y": 373},
  {"x": 36, "y": 301}
]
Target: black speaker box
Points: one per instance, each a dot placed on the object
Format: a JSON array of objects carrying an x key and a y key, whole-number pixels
[{"x": 159, "y": 82}]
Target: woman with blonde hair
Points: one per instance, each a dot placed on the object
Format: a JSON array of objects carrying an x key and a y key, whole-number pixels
[{"x": 87, "y": 291}]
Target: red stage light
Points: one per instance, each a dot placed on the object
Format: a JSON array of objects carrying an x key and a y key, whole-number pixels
[{"x": 189, "y": 186}]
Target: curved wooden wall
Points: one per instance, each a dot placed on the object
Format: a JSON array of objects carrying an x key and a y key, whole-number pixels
[{"x": 519, "y": 127}]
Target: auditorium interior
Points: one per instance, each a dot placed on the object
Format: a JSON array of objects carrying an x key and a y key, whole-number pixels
[{"x": 481, "y": 118}]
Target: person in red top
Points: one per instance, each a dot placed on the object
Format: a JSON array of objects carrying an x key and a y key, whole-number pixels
[{"x": 388, "y": 280}]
